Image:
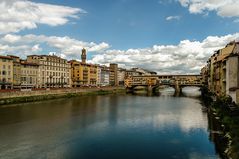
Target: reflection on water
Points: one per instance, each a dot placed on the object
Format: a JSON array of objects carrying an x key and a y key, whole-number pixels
[
  {"x": 169, "y": 91},
  {"x": 191, "y": 91},
  {"x": 186, "y": 91},
  {"x": 111, "y": 127}
]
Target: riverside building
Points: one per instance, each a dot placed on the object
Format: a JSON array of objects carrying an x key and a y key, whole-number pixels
[
  {"x": 16, "y": 71},
  {"x": 54, "y": 71},
  {"x": 114, "y": 74},
  {"x": 83, "y": 74},
  {"x": 121, "y": 76},
  {"x": 104, "y": 76},
  {"x": 6, "y": 72},
  {"x": 29, "y": 75},
  {"x": 221, "y": 74}
]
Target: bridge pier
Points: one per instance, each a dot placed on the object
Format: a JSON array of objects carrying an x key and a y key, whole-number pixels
[
  {"x": 178, "y": 89},
  {"x": 150, "y": 88}
]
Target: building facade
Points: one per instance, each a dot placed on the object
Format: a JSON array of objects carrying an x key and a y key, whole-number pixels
[
  {"x": 29, "y": 75},
  {"x": 6, "y": 72},
  {"x": 114, "y": 74},
  {"x": 121, "y": 76},
  {"x": 54, "y": 71},
  {"x": 83, "y": 74},
  {"x": 104, "y": 76},
  {"x": 16, "y": 72},
  {"x": 222, "y": 71}
]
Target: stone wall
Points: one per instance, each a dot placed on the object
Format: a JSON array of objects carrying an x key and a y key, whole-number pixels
[{"x": 27, "y": 93}]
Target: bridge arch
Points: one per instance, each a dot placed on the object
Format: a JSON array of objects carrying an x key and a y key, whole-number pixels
[{"x": 153, "y": 81}]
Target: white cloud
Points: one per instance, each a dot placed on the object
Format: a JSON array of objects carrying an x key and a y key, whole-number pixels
[
  {"x": 66, "y": 46},
  {"x": 11, "y": 38},
  {"x": 224, "y": 8},
  {"x": 36, "y": 48},
  {"x": 17, "y": 15},
  {"x": 173, "y": 18},
  {"x": 186, "y": 57}
]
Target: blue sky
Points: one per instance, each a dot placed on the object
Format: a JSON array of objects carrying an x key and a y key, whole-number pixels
[
  {"x": 173, "y": 35},
  {"x": 126, "y": 24}
]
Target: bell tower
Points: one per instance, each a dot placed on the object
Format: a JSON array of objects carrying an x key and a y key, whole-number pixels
[{"x": 83, "y": 55}]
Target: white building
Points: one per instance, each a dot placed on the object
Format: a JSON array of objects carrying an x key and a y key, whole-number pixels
[
  {"x": 54, "y": 71},
  {"x": 104, "y": 76},
  {"x": 121, "y": 76},
  {"x": 98, "y": 81}
]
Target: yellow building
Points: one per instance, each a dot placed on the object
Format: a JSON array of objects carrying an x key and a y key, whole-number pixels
[
  {"x": 6, "y": 72},
  {"x": 83, "y": 74},
  {"x": 204, "y": 74},
  {"x": 223, "y": 71},
  {"x": 16, "y": 72},
  {"x": 217, "y": 67}
]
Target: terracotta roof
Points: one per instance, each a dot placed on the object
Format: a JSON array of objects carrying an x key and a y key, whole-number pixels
[
  {"x": 5, "y": 57},
  {"x": 33, "y": 55},
  {"x": 13, "y": 56}
]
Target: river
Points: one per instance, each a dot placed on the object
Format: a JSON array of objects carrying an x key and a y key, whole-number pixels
[{"x": 107, "y": 127}]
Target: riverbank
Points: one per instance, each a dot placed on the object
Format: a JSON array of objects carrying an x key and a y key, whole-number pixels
[
  {"x": 227, "y": 114},
  {"x": 13, "y": 97}
]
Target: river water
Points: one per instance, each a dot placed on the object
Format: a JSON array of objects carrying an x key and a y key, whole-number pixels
[{"x": 107, "y": 127}]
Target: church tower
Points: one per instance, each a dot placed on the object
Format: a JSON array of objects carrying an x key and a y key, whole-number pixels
[{"x": 83, "y": 55}]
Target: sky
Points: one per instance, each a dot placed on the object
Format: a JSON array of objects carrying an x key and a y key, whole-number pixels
[{"x": 166, "y": 36}]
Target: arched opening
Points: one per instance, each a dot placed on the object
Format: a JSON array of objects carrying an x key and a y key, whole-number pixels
[
  {"x": 193, "y": 91},
  {"x": 167, "y": 90}
]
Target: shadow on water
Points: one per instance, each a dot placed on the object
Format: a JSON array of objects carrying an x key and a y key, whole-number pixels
[{"x": 216, "y": 135}]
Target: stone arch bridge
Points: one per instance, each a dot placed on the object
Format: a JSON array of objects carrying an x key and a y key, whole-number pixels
[{"x": 154, "y": 81}]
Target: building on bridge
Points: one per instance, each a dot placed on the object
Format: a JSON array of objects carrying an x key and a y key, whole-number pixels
[{"x": 176, "y": 81}]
